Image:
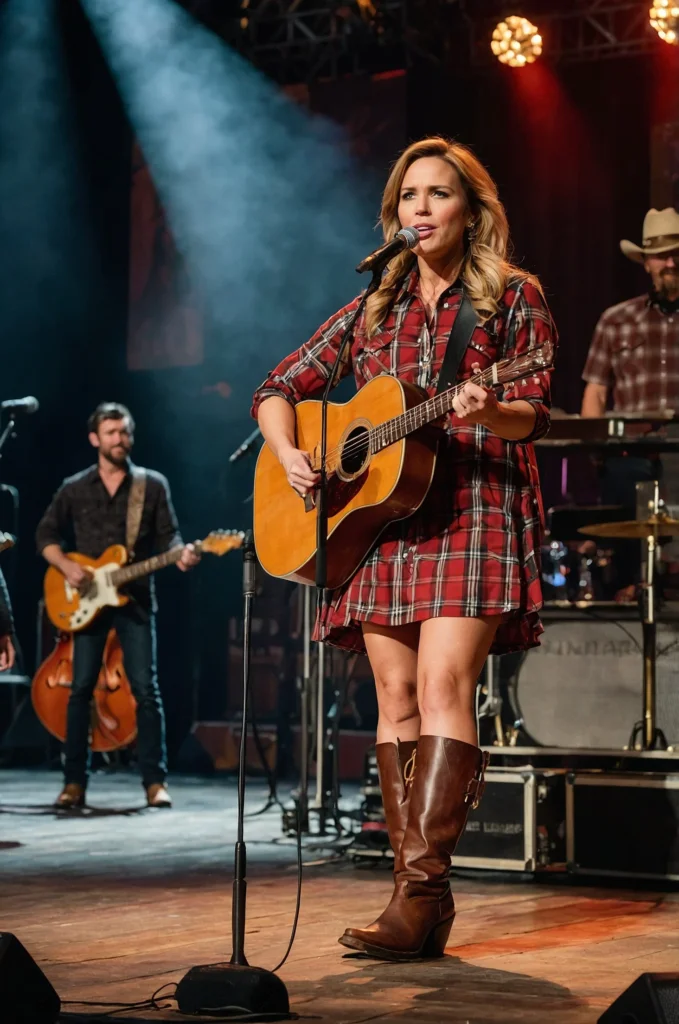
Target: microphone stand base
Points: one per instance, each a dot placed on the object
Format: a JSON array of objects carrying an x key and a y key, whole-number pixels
[{"x": 223, "y": 989}]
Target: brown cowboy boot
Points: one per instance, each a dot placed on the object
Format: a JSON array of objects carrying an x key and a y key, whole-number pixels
[
  {"x": 72, "y": 796},
  {"x": 157, "y": 795},
  {"x": 396, "y": 766},
  {"x": 448, "y": 782}
]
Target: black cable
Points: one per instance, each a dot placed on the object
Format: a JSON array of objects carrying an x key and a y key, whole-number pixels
[
  {"x": 247, "y": 1014},
  {"x": 156, "y": 996},
  {"x": 146, "y": 1004},
  {"x": 298, "y": 902},
  {"x": 99, "y": 1002},
  {"x": 117, "y": 1008}
]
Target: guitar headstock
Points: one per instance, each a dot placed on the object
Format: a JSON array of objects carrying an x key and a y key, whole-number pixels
[
  {"x": 7, "y": 540},
  {"x": 537, "y": 359},
  {"x": 219, "y": 542}
]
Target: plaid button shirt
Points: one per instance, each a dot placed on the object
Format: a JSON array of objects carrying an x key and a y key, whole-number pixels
[
  {"x": 473, "y": 546},
  {"x": 635, "y": 350}
]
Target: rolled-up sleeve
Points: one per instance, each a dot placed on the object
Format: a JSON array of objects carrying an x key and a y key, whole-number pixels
[
  {"x": 304, "y": 373},
  {"x": 530, "y": 327},
  {"x": 53, "y": 526}
]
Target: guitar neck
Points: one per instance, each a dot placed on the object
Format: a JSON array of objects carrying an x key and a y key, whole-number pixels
[
  {"x": 427, "y": 412},
  {"x": 133, "y": 572}
]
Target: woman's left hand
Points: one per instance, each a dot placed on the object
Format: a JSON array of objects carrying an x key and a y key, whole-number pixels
[{"x": 476, "y": 404}]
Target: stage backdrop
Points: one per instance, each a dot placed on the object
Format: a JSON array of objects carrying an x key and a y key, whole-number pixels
[{"x": 165, "y": 322}]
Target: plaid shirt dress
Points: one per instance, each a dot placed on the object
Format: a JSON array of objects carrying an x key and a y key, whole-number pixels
[{"x": 473, "y": 546}]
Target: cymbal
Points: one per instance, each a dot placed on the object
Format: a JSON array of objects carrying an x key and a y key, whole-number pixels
[{"x": 635, "y": 529}]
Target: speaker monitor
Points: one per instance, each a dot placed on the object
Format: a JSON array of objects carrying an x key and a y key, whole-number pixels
[
  {"x": 26, "y": 996},
  {"x": 651, "y": 999}
]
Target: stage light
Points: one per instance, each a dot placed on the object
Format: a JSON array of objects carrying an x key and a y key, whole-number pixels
[
  {"x": 664, "y": 15},
  {"x": 516, "y": 41}
]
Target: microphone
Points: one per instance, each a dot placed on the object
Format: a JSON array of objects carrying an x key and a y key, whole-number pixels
[
  {"x": 27, "y": 405},
  {"x": 245, "y": 447},
  {"x": 406, "y": 238}
]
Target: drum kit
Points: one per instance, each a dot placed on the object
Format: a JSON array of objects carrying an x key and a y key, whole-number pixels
[{"x": 580, "y": 689}]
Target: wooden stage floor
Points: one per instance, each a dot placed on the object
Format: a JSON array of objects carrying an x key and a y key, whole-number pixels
[{"x": 118, "y": 901}]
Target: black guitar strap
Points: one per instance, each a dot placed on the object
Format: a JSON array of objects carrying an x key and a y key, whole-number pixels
[{"x": 458, "y": 342}]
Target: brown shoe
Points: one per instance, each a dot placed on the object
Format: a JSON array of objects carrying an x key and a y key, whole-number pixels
[
  {"x": 71, "y": 796},
  {"x": 448, "y": 782},
  {"x": 157, "y": 795}
]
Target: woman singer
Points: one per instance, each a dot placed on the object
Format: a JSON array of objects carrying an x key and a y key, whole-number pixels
[{"x": 460, "y": 577}]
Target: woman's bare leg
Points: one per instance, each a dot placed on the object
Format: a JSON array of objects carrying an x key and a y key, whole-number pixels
[
  {"x": 392, "y": 651},
  {"x": 450, "y": 657}
]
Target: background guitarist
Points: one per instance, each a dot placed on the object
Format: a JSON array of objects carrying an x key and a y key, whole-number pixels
[
  {"x": 460, "y": 576},
  {"x": 88, "y": 514}
]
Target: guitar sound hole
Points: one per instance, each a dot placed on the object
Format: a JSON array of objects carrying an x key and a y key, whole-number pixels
[{"x": 355, "y": 451}]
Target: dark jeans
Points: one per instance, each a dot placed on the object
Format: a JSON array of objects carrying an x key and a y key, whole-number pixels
[{"x": 136, "y": 631}]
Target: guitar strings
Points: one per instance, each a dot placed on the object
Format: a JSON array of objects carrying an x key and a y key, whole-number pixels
[
  {"x": 351, "y": 446},
  {"x": 485, "y": 376}
]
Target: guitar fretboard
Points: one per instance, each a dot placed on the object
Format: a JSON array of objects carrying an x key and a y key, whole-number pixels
[
  {"x": 400, "y": 426},
  {"x": 149, "y": 565}
]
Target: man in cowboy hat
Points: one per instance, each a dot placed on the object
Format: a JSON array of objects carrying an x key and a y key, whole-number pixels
[
  {"x": 635, "y": 349},
  {"x": 635, "y": 354}
]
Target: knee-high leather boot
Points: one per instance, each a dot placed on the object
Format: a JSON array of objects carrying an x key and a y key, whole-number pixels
[
  {"x": 395, "y": 764},
  {"x": 448, "y": 782}
]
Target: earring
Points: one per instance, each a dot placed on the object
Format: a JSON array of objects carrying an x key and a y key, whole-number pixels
[{"x": 471, "y": 230}]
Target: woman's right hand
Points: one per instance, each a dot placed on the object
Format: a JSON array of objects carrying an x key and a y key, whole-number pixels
[{"x": 297, "y": 466}]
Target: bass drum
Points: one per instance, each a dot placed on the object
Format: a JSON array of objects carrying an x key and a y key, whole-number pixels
[{"x": 583, "y": 686}]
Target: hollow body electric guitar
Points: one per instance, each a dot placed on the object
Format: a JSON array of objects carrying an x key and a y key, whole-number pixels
[
  {"x": 72, "y": 609},
  {"x": 381, "y": 456}
]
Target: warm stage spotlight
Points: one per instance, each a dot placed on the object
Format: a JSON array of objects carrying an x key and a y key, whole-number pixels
[
  {"x": 664, "y": 15},
  {"x": 516, "y": 41}
]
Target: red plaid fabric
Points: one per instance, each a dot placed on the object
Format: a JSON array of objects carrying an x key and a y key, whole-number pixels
[
  {"x": 635, "y": 350},
  {"x": 473, "y": 546}
]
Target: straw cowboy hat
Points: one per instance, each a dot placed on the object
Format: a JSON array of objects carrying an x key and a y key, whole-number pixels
[{"x": 660, "y": 235}]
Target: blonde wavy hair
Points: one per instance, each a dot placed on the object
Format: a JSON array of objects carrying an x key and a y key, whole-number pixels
[{"x": 485, "y": 269}]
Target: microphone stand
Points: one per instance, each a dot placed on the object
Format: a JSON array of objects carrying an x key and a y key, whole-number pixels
[
  {"x": 237, "y": 985},
  {"x": 321, "y": 566},
  {"x": 14, "y": 497},
  {"x": 11, "y": 423},
  {"x": 245, "y": 446}
]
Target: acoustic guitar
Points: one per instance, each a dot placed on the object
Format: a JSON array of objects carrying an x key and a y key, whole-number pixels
[
  {"x": 72, "y": 609},
  {"x": 381, "y": 456}
]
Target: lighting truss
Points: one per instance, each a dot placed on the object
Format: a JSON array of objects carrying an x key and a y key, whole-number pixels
[
  {"x": 587, "y": 30},
  {"x": 297, "y": 41}
]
